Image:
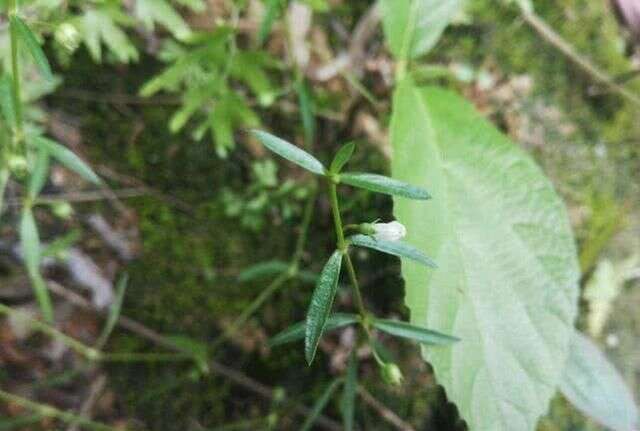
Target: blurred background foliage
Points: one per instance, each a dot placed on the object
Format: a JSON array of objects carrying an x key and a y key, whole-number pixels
[{"x": 157, "y": 95}]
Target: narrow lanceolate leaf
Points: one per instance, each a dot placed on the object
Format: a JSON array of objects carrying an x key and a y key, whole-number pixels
[
  {"x": 290, "y": 152},
  {"x": 395, "y": 248},
  {"x": 30, "y": 42},
  {"x": 412, "y": 332},
  {"x": 262, "y": 270},
  {"x": 30, "y": 242},
  {"x": 296, "y": 331},
  {"x": 321, "y": 303},
  {"x": 6, "y": 101},
  {"x": 307, "y": 110},
  {"x": 114, "y": 312},
  {"x": 39, "y": 173},
  {"x": 320, "y": 404},
  {"x": 595, "y": 387},
  {"x": 342, "y": 157},
  {"x": 66, "y": 157},
  {"x": 348, "y": 402},
  {"x": 382, "y": 184}
]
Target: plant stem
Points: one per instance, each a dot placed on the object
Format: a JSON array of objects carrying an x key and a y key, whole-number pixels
[
  {"x": 342, "y": 246},
  {"x": 15, "y": 71}
]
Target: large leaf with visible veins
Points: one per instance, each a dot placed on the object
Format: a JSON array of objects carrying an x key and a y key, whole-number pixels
[{"x": 507, "y": 276}]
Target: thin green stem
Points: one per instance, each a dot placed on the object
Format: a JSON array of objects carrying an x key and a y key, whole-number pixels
[{"x": 15, "y": 70}]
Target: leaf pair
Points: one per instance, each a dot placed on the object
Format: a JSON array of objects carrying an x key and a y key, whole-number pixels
[{"x": 371, "y": 182}]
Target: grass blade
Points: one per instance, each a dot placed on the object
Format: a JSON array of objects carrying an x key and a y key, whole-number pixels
[
  {"x": 382, "y": 184},
  {"x": 296, "y": 331},
  {"x": 290, "y": 152},
  {"x": 321, "y": 303},
  {"x": 411, "y": 332},
  {"x": 31, "y": 43},
  {"x": 395, "y": 248},
  {"x": 320, "y": 404}
]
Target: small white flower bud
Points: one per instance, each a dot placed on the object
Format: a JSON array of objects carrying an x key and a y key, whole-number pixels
[
  {"x": 391, "y": 374},
  {"x": 393, "y": 231}
]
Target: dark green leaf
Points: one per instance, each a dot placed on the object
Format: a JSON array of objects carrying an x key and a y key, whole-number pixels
[
  {"x": 269, "y": 17},
  {"x": 290, "y": 152},
  {"x": 39, "y": 173},
  {"x": 30, "y": 241},
  {"x": 296, "y": 331},
  {"x": 31, "y": 43},
  {"x": 321, "y": 303},
  {"x": 411, "y": 332},
  {"x": 395, "y": 248},
  {"x": 262, "y": 270},
  {"x": 307, "y": 111},
  {"x": 342, "y": 157},
  {"x": 320, "y": 404},
  {"x": 66, "y": 157},
  {"x": 348, "y": 402},
  {"x": 198, "y": 350},
  {"x": 6, "y": 101},
  {"x": 382, "y": 184},
  {"x": 114, "y": 312}
]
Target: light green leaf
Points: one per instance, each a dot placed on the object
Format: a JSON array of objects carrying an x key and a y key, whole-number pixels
[
  {"x": 98, "y": 26},
  {"x": 321, "y": 302},
  {"x": 412, "y": 332},
  {"x": 348, "y": 401},
  {"x": 381, "y": 184},
  {"x": 272, "y": 10},
  {"x": 413, "y": 27},
  {"x": 595, "y": 387},
  {"x": 296, "y": 331},
  {"x": 30, "y": 242},
  {"x": 342, "y": 157},
  {"x": 30, "y": 42},
  {"x": 39, "y": 173},
  {"x": 507, "y": 278},
  {"x": 395, "y": 248},
  {"x": 290, "y": 152},
  {"x": 320, "y": 404},
  {"x": 66, "y": 157},
  {"x": 150, "y": 12},
  {"x": 7, "y": 106}
]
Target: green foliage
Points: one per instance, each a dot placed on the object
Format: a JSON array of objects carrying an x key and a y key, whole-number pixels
[
  {"x": 103, "y": 25},
  {"x": 66, "y": 157},
  {"x": 29, "y": 41},
  {"x": 595, "y": 387},
  {"x": 297, "y": 331},
  {"x": 152, "y": 12},
  {"x": 395, "y": 248},
  {"x": 382, "y": 184},
  {"x": 348, "y": 400},
  {"x": 507, "y": 280},
  {"x": 6, "y": 101},
  {"x": 321, "y": 303},
  {"x": 320, "y": 404},
  {"x": 290, "y": 152},
  {"x": 342, "y": 157},
  {"x": 412, "y": 332}
]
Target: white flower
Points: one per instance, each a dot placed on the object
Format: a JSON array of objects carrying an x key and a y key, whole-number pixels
[{"x": 393, "y": 231}]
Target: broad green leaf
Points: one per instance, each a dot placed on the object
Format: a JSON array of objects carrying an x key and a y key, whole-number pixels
[
  {"x": 348, "y": 401},
  {"x": 412, "y": 332},
  {"x": 321, "y": 302},
  {"x": 290, "y": 152},
  {"x": 595, "y": 387},
  {"x": 39, "y": 173},
  {"x": 114, "y": 312},
  {"x": 262, "y": 270},
  {"x": 296, "y": 331},
  {"x": 413, "y": 27},
  {"x": 30, "y": 242},
  {"x": 7, "y": 106},
  {"x": 66, "y": 157},
  {"x": 507, "y": 278},
  {"x": 395, "y": 248},
  {"x": 30, "y": 42},
  {"x": 382, "y": 184},
  {"x": 342, "y": 157},
  {"x": 320, "y": 404}
]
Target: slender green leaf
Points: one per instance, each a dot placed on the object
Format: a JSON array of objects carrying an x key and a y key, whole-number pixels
[
  {"x": 307, "y": 110},
  {"x": 412, "y": 332},
  {"x": 382, "y": 184},
  {"x": 507, "y": 281},
  {"x": 348, "y": 401},
  {"x": 269, "y": 17},
  {"x": 6, "y": 101},
  {"x": 4, "y": 180},
  {"x": 595, "y": 387},
  {"x": 66, "y": 157},
  {"x": 296, "y": 331},
  {"x": 290, "y": 152},
  {"x": 413, "y": 27},
  {"x": 198, "y": 350},
  {"x": 321, "y": 302},
  {"x": 320, "y": 404},
  {"x": 342, "y": 157},
  {"x": 39, "y": 173},
  {"x": 262, "y": 270},
  {"x": 31, "y": 43},
  {"x": 114, "y": 312},
  {"x": 30, "y": 241},
  {"x": 395, "y": 248}
]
